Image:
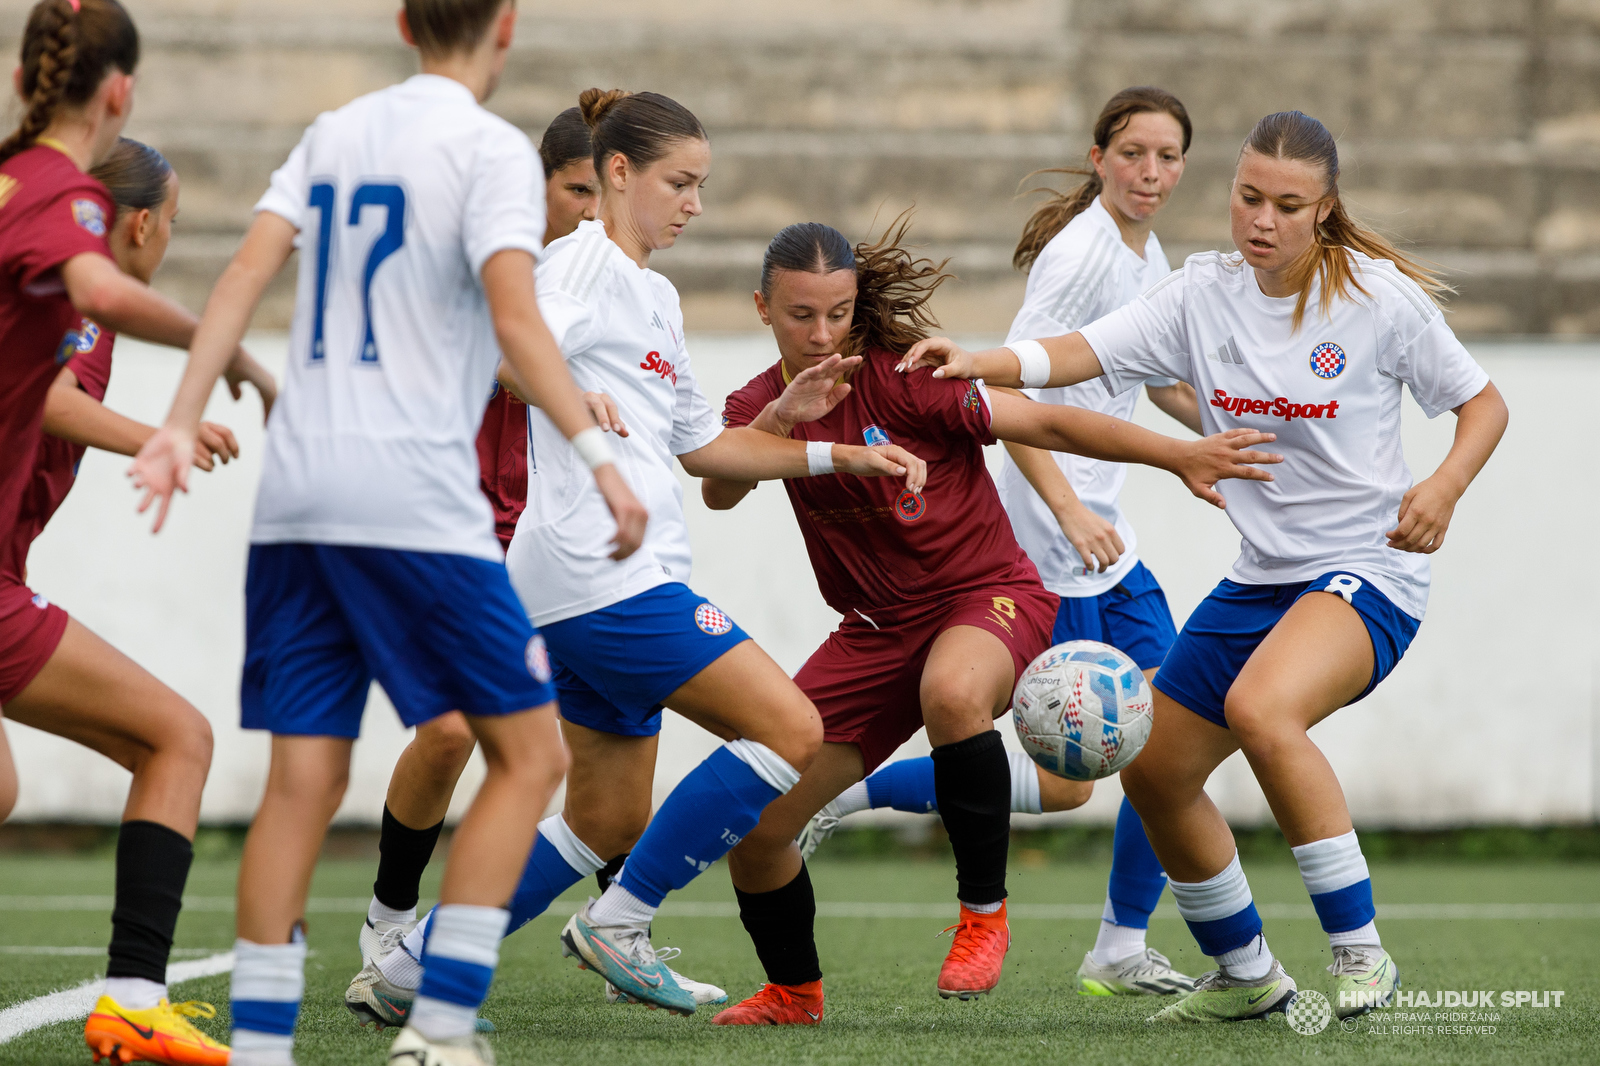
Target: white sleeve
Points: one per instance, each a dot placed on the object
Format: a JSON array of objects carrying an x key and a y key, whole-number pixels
[
  {"x": 569, "y": 319},
  {"x": 288, "y": 194},
  {"x": 504, "y": 204},
  {"x": 1065, "y": 287},
  {"x": 1148, "y": 338},
  {"x": 1440, "y": 372},
  {"x": 694, "y": 422}
]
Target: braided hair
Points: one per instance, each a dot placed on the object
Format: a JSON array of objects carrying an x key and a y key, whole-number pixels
[{"x": 68, "y": 48}]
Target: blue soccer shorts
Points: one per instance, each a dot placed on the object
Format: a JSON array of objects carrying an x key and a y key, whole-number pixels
[
  {"x": 439, "y": 632},
  {"x": 1132, "y": 617},
  {"x": 1224, "y": 631},
  {"x": 614, "y": 666}
]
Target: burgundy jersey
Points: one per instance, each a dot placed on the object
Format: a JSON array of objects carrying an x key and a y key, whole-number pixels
[
  {"x": 50, "y": 211},
  {"x": 55, "y": 463},
  {"x": 503, "y": 460},
  {"x": 873, "y": 543}
]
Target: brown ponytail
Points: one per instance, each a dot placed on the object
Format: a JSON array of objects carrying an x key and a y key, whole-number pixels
[
  {"x": 1052, "y": 216},
  {"x": 66, "y": 52},
  {"x": 1298, "y": 136},
  {"x": 641, "y": 127},
  {"x": 893, "y": 288}
]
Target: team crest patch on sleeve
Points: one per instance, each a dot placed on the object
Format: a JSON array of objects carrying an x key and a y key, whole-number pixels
[
  {"x": 537, "y": 658},
  {"x": 90, "y": 215},
  {"x": 39, "y": 601},
  {"x": 1327, "y": 360},
  {"x": 910, "y": 506},
  {"x": 711, "y": 620},
  {"x": 874, "y": 436},
  {"x": 88, "y": 337}
]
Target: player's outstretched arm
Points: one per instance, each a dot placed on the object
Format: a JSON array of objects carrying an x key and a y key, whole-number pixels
[
  {"x": 1200, "y": 464},
  {"x": 745, "y": 454},
  {"x": 1426, "y": 509},
  {"x": 1047, "y": 363},
  {"x": 1092, "y": 537},
  {"x": 162, "y": 465},
  {"x": 73, "y": 415},
  {"x": 540, "y": 376}
]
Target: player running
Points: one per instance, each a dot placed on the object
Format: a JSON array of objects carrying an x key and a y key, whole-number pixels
[
  {"x": 1311, "y": 328},
  {"x": 942, "y": 608},
  {"x": 61, "y": 292},
  {"x": 1090, "y": 251},
  {"x": 373, "y": 552}
]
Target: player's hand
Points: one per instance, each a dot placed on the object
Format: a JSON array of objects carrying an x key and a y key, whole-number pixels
[
  {"x": 629, "y": 513},
  {"x": 883, "y": 460},
  {"x": 245, "y": 369},
  {"x": 1425, "y": 513},
  {"x": 948, "y": 358},
  {"x": 814, "y": 392},
  {"x": 1092, "y": 537},
  {"x": 162, "y": 468},
  {"x": 606, "y": 416},
  {"x": 216, "y": 440},
  {"x": 1206, "y": 461}
]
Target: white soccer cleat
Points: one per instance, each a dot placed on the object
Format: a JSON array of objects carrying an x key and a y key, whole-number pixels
[
  {"x": 411, "y": 1048},
  {"x": 820, "y": 828},
  {"x": 1145, "y": 973},
  {"x": 704, "y": 994},
  {"x": 380, "y": 938}
]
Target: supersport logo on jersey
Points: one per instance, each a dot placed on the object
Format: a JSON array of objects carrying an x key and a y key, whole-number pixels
[
  {"x": 653, "y": 361},
  {"x": 1279, "y": 408}
]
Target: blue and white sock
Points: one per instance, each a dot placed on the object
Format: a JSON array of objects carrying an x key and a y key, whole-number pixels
[
  {"x": 709, "y": 812},
  {"x": 906, "y": 785},
  {"x": 269, "y": 981},
  {"x": 1132, "y": 893},
  {"x": 1335, "y": 873},
  {"x": 457, "y": 967},
  {"x": 1222, "y": 916}
]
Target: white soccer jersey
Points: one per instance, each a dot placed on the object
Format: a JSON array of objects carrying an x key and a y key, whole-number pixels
[
  {"x": 1086, "y": 271},
  {"x": 400, "y": 197},
  {"x": 621, "y": 329},
  {"x": 1330, "y": 391}
]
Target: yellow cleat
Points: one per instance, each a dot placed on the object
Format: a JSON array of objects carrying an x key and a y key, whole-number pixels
[{"x": 162, "y": 1034}]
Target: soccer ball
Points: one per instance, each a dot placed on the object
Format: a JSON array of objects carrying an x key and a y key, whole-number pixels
[{"x": 1082, "y": 710}]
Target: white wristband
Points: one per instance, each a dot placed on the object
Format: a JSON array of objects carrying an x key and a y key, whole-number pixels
[
  {"x": 1035, "y": 363},
  {"x": 591, "y": 444},
  {"x": 819, "y": 457}
]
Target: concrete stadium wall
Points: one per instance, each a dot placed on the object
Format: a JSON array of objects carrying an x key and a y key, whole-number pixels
[
  {"x": 1493, "y": 716},
  {"x": 1471, "y": 127}
]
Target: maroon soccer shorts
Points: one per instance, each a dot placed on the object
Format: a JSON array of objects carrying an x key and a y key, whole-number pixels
[
  {"x": 30, "y": 628},
  {"x": 866, "y": 678}
]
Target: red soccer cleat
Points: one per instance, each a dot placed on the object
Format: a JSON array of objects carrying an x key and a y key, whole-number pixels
[
  {"x": 973, "y": 965},
  {"x": 777, "y": 1005}
]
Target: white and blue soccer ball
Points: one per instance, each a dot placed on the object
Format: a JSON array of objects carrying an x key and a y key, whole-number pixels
[{"x": 1082, "y": 710}]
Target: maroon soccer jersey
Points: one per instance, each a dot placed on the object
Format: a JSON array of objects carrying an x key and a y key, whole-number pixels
[
  {"x": 503, "y": 460},
  {"x": 873, "y": 543}
]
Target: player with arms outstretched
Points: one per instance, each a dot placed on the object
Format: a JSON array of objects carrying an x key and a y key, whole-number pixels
[
  {"x": 1312, "y": 328},
  {"x": 373, "y": 553}
]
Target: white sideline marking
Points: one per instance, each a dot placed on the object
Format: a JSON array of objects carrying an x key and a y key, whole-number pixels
[{"x": 78, "y": 1001}]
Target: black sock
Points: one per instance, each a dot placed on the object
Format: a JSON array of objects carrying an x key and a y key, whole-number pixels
[
  {"x": 403, "y": 854},
  {"x": 782, "y": 923},
  {"x": 152, "y": 867},
  {"x": 972, "y": 782},
  {"x": 608, "y": 873}
]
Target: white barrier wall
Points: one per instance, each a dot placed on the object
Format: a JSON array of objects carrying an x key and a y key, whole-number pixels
[{"x": 1491, "y": 717}]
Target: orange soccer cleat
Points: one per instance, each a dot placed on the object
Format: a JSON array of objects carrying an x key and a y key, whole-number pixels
[
  {"x": 162, "y": 1034},
  {"x": 777, "y": 1005},
  {"x": 973, "y": 965}
]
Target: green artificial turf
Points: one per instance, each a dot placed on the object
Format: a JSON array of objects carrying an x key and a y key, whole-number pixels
[{"x": 881, "y": 1005}]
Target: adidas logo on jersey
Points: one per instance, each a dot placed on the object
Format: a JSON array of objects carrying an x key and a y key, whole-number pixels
[
  {"x": 1279, "y": 408},
  {"x": 1227, "y": 353}
]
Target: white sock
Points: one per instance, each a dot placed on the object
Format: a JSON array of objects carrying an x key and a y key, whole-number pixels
[
  {"x": 413, "y": 944},
  {"x": 1116, "y": 942},
  {"x": 1024, "y": 785},
  {"x": 467, "y": 937},
  {"x": 260, "y": 1049},
  {"x": 377, "y": 912},
  {"x": 439, "y": 1020},
  {"x": 402, "y": 968},
  {"x": 983, "y": 908},
  {"x": 618, "y": 906},
  {"x": 135, "y": 993},
  {"x": 271, "y": 976},
  {"x": 1366, "y": 936},
  {"x": 1249, "y": 963},
  {"x": 853, "y": 799}
]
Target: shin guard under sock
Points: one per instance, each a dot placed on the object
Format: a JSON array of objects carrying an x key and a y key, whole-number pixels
[
  {"x": 782, "y": 925},
  {"x": 972, "y": 779},
  {"x": 152, "y": 867},
  {"x": 403, "y": 854}
]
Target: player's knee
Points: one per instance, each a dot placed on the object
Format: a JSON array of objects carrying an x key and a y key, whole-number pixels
[
  {"x": 1258, "y": 724},
  {"x": 189, "y": 743},
  {"x": 799, "y": 738},
  {"x": 1143, "y": 789},
  {"x": 445, "y": 744}
]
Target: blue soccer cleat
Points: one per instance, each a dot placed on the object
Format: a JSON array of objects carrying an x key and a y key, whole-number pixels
[{"x": 623, "y": 956}]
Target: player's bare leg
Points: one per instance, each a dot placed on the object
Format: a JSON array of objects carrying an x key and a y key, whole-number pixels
[{"x": 8, "y": 774}]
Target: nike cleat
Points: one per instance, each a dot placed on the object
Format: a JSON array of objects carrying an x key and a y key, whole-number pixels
[
  {"x": 622, "y": 955},
  {"x": 1146, "y": 973},
  {"x": 161, "y": 1034},
  {"x": 379, "y": 938},
  {"x": 411, "y": 1048},
  {"x": 777, "y": 1005},
  {"x": 972, "y": 967},
  {"x": 375, "y": 1000},
  {"x": 1220, "y": 998},
  {"x": 1367, "y": 979},
  {"x": 704, "y": 994},
  {"x": 820, "y": 828}
]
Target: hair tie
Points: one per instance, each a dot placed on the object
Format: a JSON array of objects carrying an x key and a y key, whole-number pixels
[{"x": 77, "y": 5}]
